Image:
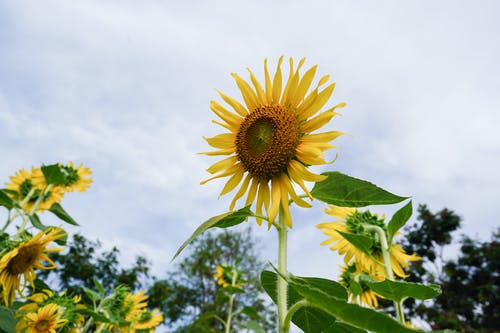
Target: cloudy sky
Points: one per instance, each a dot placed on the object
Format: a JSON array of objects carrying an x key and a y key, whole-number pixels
[{"x": 124, "y": 87}]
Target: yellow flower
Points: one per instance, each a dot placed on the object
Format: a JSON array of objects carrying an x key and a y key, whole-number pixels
[
  {"x": 20, "y": 262},
  {"x": 373, "y": 264},
  {"x": 76, "y": 177},
  {"x": 365, "y": 295},
  {"x": 134, "y": 305},
  {"x": 25, "y": 183},
  {"x": 219, "y": 275},
  {"x": 149, "y": 320},
  {"x": 270, "y": 142},
  {"x": 46, "y": 320}
]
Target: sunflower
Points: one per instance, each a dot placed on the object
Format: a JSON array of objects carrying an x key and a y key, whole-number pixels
[
  {"x": 270, "y": 142},
  {"x": 21, "y": 262},
  {"x": 220, "y": 276},
  {"x": 351, "y": 221},
  {"x": 134, "y": 305},
  {"x": 46, "y": 320},
  {"x": 363, "y": 295},
  {"x": 148, "y": 321},
  {"x": 76, "y": 177},
  {"x": 31, "y": 187}
]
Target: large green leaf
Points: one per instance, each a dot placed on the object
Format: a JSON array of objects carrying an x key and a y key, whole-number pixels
[
  {"x": 5, "y": 200},
  {"x": 254, "y": 326},
  {"x": 351, "y": 314},
  {"x": 225, "y": 220},
  {"x": 35, "y": 221},
  {"x": 345, "y": 191},
  {"x": 7, "y": 320},
  {"x": 398, "y": 290},
  {"x": 399, "y": 219},
  {"x": 53, "y": 174},
  {"x": 58, "y": 211},
  {"x": 309, "y": 319}
]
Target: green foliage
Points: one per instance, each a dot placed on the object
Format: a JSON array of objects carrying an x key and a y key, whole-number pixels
[
  {"x": 5, "y": 200},
  {"x": 346, "y": 191},
  {"x": 191, "y": 289},
  {"x": 225, "y": 220},
  {"x": 399, "y": 219},
  {"x": 58, "y": 211},
  {"x": 7, "y": 320},
  {"x": 470, "y": 298},
  {"x": 53, "y": 174},
  {"x": 400, "y": 290}
]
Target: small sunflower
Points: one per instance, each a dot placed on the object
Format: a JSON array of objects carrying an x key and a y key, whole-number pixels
[
  {"x": 147, "y": 321},
  {"x": 270, "y": 144},
  {"x": 25, "y": 183},
  {"x": 222, "y": 280},
  {"x": 20, "y": 262},
  {"x": 46, "y": 320},
  {"x": 351, "y": 221},
  {"x": 134, "y": 305},
  {"x": 364, "y": 295},
  {"x": 225, "y": 274},
  {"x": 76, "y": 177}
]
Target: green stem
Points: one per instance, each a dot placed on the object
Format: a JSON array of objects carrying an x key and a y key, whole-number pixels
[
  {"x": 230, "y": 307},
  {"x": 282, "y": 287},
  {"x": 388, "y": 267},
  {"x": 291, "y": 312},
  {"x": 21, "y": 204}
]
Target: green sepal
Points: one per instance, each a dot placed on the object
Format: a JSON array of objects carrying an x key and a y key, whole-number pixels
[
  {"x": 58, "y": 211},
  {"x": 355, "y": 288},
  {"x": 351, "y": 314},
  {"x": 5, "y": 200},
  {"x": 53, "y": 174},
  {"x": 399, "y": 290},
  {"x": 309, "y": 319},
  {"x": 7, "y": 320},
  {"x": 254, "y": 326},
  {"x": 225, "y": 220},
  {"x": 399, "y": 219},
  {"x": 346, "y": 191},
  {"x": 361, "y": 242}
]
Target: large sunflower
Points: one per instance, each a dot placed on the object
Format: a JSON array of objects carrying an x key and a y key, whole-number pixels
[
  {"x": 25, "y": 183},
  {"x": 20, "y": 262},
  {"x": 350, "y": 220},
  {"x": 46, "y": 320},
  {"x": 77, "y": 177},
  {"x": 269, "y": 144}
]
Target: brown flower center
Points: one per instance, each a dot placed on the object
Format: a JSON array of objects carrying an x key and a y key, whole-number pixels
[
  {"x": 43, "y": 326},
  {"x": 24, "y": 259},
  {"x": 266, "y": 141}
]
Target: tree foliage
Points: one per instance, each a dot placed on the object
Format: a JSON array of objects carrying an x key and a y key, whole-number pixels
[{"x": 470, "y": 282}]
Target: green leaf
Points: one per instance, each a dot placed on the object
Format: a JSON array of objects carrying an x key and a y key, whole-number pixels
[
  {"x": 5, "y": 200},
  {"x": 99, "y": 286},
  {"x": 35, "y": 221},
  {"x": 399, "y": 219},
  {"x": 351, "y": 314},
  {"x": 91, "y": 294},
  {"x": 7, "y": 320},
  {"x": 53, "y": 174},
  {"x": 233, "y": 290},
  {"x": 345, "y": 191},
  {"x": 254, "y": 326},
  {"x": 250, "y": 312},
  {"x": 361, "y": 242},
  {"x": 309, "y": 319},
  {"x": 58, "y": 211},
  {"x": 398, "y": 290},
  {"x": 221, "y": 221},
  {"x": 343, "y": 328}
]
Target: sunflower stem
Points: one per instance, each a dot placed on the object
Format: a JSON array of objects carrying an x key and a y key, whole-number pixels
[
  {"x": 230, "y": 306},
  {"x": 388, "y": 266},
  {"x": 291, "y": 312},
  {"x": 21, "y": 204},
  {"x": 282, "y": 287}
]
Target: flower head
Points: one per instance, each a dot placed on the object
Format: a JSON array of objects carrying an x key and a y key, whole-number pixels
[
  {"x": 352, "y": 221},
  {"x": 77, "y": 177},
  {"x": 46, "y": 320},
  {"x": 270, "y": 144},
  {"x": 30, "y": 187},
  {"x": 227, "y": 275},
  {"x": 358, "y": 291},
  {"x": 20, "y": 263}
]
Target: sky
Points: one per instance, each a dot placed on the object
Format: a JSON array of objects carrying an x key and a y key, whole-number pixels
[{"x": 123, "y": 87}]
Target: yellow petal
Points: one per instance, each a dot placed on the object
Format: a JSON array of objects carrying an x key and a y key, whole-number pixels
[
  {"x": 269, "y": 86},
  {"x": 317, "y": 122},
  {"x": 229, "y": 171},
  {"x": 300, "y": 171},
  {"x": 319, "y": 102},
  {"x": 233, "y": 181},
  {"x": 258, "y": 88},
  {"x": 230, "y": 118},
  {"x": 237, "y": 106},
  {"x": 247, "y": 92},
  {"x": 308, "y": 155},
  {"x": 222, "y": 164},
  {"x": 304, "y": 85},
  {"x": 253, "y": 190},
  {"x": 277, "y": 82},
  {"x": 293, "y": 195},
  {"x": 275, "y": 199},
  {"x": 241, "y": 191},
  {"x": 222, "y": 141}
]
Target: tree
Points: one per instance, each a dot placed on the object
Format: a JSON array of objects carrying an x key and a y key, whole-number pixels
[
  {"x": 192, "y": 293},
  {"x": 83, "y": 262},
  {"x": 470, "y": 282}
]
